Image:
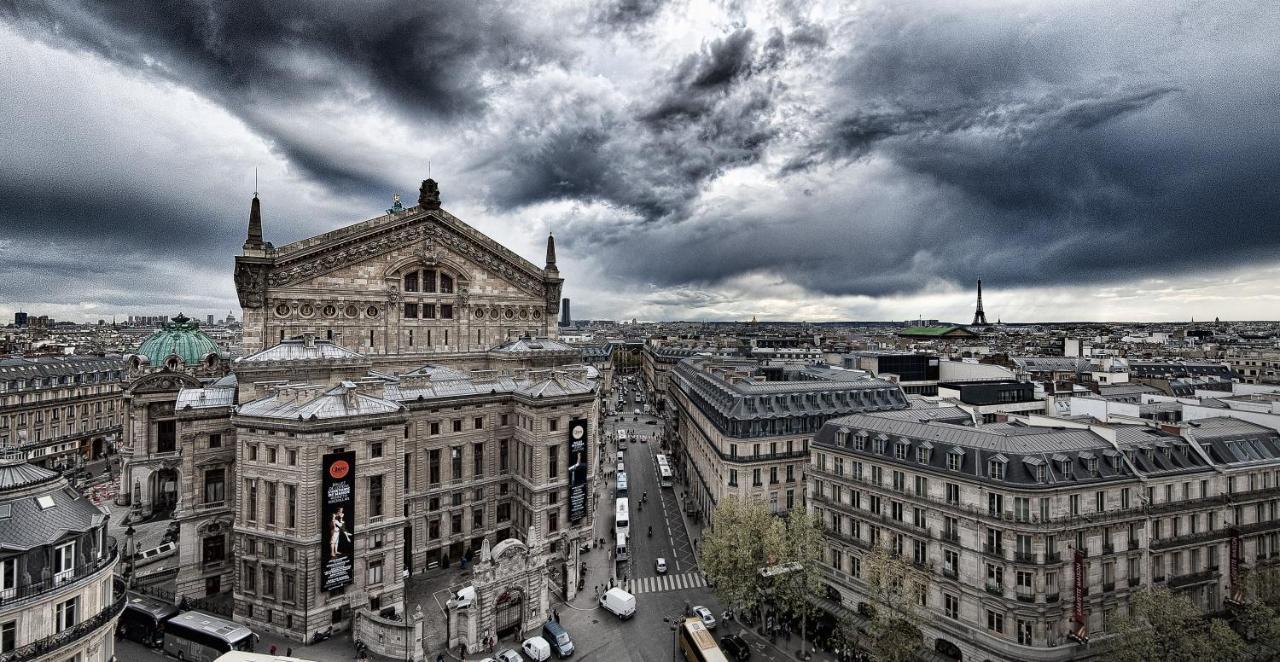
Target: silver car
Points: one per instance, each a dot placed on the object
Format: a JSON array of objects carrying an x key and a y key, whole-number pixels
[{"x": 708, "y": 619}]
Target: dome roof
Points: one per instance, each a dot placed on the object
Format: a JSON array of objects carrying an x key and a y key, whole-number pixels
[
  {"x": 181, "y": 336},
  {"x": 15, "y": 473}
]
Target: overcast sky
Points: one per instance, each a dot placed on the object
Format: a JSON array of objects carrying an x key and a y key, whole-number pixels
[{"x": 695, "y": 160}]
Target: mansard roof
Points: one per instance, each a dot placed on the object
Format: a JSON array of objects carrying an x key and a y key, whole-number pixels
[
  {"x": 305, "y": 402},
  {"x": 301, "y": 348},
  {"x": 437, "y": 382},
  {"x": 1067, "y": 455}
]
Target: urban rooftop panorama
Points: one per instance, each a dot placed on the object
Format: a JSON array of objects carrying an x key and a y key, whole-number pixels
[{"x": 639, "y": 330}]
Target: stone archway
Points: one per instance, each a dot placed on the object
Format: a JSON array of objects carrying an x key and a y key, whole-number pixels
[
  {"x": 948, "y": 649},
  {"x": 507, "y": 614}
]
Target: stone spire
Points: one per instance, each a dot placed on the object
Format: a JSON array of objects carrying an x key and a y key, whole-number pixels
[
  {"x": 254, "y": 242},
  {"x": 551, "y": 252}
]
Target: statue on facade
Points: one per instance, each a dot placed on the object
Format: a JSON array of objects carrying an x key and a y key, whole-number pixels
[{"x": 429, "y": 194}]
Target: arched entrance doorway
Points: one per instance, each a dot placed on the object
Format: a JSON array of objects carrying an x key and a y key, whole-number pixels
[
  {"x": 508, "y": 610},
  {"x": 164, "y": 492},
  {"x": 947, "y": 649},
  {"x": 99, "y": 448}
]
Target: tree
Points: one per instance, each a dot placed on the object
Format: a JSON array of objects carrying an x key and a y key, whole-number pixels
[
  {"x": 895, "y": 587},
  {"x": 1164, "y": 625},
  {"x": 743, "y": 538},
  {"x": 1259, "y": 623},
  {"x": 802, "y": 551}
]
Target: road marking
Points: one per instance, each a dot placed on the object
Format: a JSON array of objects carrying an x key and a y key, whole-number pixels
[{"x": 666, "y": 583}]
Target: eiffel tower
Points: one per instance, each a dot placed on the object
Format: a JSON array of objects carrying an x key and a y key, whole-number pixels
[{"x": 979, "y": 317}]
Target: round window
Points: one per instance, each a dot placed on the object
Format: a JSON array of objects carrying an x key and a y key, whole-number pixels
[
  {"x": 537, "y": 314},
  {"x": 509, "y": 314},
  {"x": 282, "y": 310},
  {"x": 524, "y": 314},
  {"x": 351, "y": 311},
  {"x": 330, "y": 310},
  {"x": 307, "y": 310},
  {"x": 479, "y": 313},
  {"x": 371, "y": 311}
]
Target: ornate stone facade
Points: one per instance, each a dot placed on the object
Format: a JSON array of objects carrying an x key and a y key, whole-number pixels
[{"x": 349, "y": 286}]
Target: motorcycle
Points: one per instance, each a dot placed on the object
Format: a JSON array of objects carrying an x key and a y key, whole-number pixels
[
  {"x": 322, "y": 635},
  {"x": 651, "y": 532}
]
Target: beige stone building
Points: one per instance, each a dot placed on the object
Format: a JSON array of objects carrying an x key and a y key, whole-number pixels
[
  {"x": 419, "y": 346},
  {"x": 59, "y": 596},
  {"x": 744, "y": 429},
  {"x": 1007, "y": 523},
  {"x": 61, "y": 411}
]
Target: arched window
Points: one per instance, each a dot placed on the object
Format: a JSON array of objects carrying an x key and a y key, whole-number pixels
[
  {"x": 411, "y": 281},
  {"x": 446, "y": 284}
]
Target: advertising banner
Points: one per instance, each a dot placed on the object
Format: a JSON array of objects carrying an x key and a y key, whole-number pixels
[
  {"x": 1237, "y": 549},
  {"x": 337, "y": 520},
  {"x": 1081, "y": 630},
  {"x": 577, "y": 469}
]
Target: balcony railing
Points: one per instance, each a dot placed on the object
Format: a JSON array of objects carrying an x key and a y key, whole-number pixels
[
  {"x": 1024, "y": 595},
  {"x": 1108, "y": 587},
  {"x": 1134, "y": 581},
  {"x": 1052, "y": 557},
  {"x": 1024, "y": 557},
  {"x": 1051, "y": 597},
  {"x": 61, "y": 579},
  {"x": 994, "y": 589},
  {"x": 53, "y": 642},
  {"x": 951, "y": 536},
  {"x": 1192, "y": 578}
]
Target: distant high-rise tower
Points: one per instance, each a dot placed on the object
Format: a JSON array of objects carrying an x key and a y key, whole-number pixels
[
  {"x": 565, "y": 318},
  {"x": 19, "y": 319},
  {"x": 979, "y": 317}
]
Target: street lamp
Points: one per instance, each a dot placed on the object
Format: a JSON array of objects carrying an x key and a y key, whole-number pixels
[{"x": 131, "y": 552}]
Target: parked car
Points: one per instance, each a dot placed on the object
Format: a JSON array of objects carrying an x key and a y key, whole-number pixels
[
  {"x": 735, "y": 648},
  {"x": 536, "y": 649},
  {"x": 708, "y": 619},
  {"x": 559, "y": 640},
  {"x": 660, "y": 566},
  {"x": 509, "y": 655}
]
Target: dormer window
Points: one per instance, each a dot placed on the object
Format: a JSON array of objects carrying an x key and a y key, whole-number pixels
[
  {"x": 1091, "y": 465},
  {"x": 860, "y": 441},
  {"x": 955, "y": 459},
  {"x": 879, "y": 445},
  {"x": 1042, "y": 473},
  {"x": 901, "y": 449},
  {"x": 995, "y": 467},
  {"x": 842, "y": 438},
  {"x": 1066, "y": 467},
  {"x": 923, "y": 453}
]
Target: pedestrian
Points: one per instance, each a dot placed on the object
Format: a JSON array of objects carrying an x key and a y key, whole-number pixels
[
  {"x": 288, "y": 652},
  {"x": 273, "y": 649},
  {"x": 556, "y": 612}
]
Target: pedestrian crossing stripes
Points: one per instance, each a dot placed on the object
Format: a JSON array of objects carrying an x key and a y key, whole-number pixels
[{"x": 664, "y": 583}]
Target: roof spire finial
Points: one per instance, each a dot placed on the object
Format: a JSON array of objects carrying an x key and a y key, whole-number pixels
[
  {"x": 551, "y": 250},
  {"x": 254, "y": 240}
]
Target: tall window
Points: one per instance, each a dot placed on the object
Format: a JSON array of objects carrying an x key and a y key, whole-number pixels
[
  {"x": 271, "y": 503},
  {"x": 375, "y": 496},
  {"x": 375, "y": 571},
  {"x": 166, "y": 437},
  {"x": 8, "y": 637},
  {"x": 477, "y": 455},
  {"x": 215, "y": 485},
  {"x": 446, "y": 284},
  {"x": 65, "y": 614},
  {"x": 291, "y": 515},
  {"x": 428, "y": 280},
  {"x": 553, "y": 461},
  {"x": 64, "y": 562},
  {"x": 251, "y": 501},
  {"x": 8, "y": 578},
  {"x": 433, "y": 463},
  {"x": 214, "y": 548},
  {"x": 455, "y": 461},
  {"x": 411, "y": 282}
]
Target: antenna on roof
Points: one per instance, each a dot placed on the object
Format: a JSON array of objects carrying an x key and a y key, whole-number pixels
[
  {"x": 255, "y": 181},
  {"x": 428, "y": 168}
]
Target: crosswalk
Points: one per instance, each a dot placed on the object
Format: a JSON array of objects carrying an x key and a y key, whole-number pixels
[{"x": 664, "y": 583}]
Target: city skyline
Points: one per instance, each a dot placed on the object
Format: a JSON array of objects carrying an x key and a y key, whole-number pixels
[{"x": 820, "y": 162}]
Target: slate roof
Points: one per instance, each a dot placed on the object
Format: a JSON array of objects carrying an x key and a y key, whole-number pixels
[
  {"x": 204, "y": 398},
  {"x": 304, "y": 402},
  {"x": 28, "y": 523},
  {"x": 1065, "y": 453},
  {"x": 300, "y": 349},
  {"x": 735, "y": 390},
  {"x": 51, "y": 371},
  {"x": 437, "y": 382},
  {"x": 527, "y": 344},
  {"x": 936, "y": 332}
]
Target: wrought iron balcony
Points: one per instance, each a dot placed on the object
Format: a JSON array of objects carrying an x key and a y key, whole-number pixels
[
  {"x": 61, "y": 580},
  {"x": 53, "y": 642}
]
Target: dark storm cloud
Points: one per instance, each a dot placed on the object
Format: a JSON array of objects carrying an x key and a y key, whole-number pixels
[
  {"x": 1046, "y": 152},
  {"x": 625, "y": 14},
  {"x": 426, "y": 60},
  {"x": 707, "y": 114}
]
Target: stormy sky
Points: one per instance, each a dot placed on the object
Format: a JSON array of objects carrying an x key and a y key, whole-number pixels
[{"x": 695, "y": 160}]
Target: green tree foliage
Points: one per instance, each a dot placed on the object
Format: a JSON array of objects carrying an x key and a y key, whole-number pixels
[
  {"x": 894, "y": 586},
  {"x": 743, "y": 538},
  {"x": 802, "y": 547},
  {"x": 1165, "y": 625}
]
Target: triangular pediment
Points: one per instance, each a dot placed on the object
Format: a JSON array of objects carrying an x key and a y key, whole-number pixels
[{"x": 329, "y": 252}]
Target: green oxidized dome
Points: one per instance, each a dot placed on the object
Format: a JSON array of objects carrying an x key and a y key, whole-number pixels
[{"x": 181, "y": 336}]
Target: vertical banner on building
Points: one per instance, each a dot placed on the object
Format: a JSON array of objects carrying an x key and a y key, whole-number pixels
[
  {"x": 1081, "y": 630},
  {"x": 1237, "y": 549},
  {"x": 337, "y": 520},
  {"x": 577, "y": 469}
]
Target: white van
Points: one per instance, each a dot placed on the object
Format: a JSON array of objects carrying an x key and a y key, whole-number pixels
[
  {"x": 619, "y": 602},
  {"x": 463, "y": 598},
  {"x": 536, "y": 649}
]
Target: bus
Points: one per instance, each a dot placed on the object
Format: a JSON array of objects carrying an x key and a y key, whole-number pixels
[
  {"x": 622, "y": 517},
  {"x": 620, "y": 550},
  {"x": 664, "y": 476},
  {"x": 143, "y": 619},
  {"x": 697, "y": 644},
  {"x": 622, "y": 484},
  {"x": 196, "y": 636}
]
